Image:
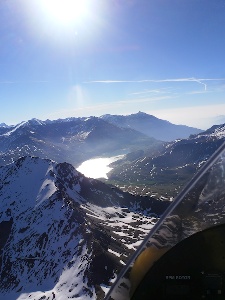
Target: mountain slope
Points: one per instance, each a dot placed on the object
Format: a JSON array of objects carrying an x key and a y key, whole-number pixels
[
  {"x": 152, "y": 126},
  {"x": 34, "y": 222},
  {"x": 72, "y": 140},
  {"x": 173, "y": 167},
  {"x": 62, "y": 232}
]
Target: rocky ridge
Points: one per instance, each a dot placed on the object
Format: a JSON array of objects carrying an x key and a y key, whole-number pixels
[
  {"x": 171, "y": 167},
  {"x": 65, "y": 236}
]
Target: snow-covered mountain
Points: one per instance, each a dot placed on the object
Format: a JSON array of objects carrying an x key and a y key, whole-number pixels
[
  {"x": 73, "y": 140},
  {"x": 63, "y": 235},
  {"x": 216, "y": 132},
  {"x": 151, "y": 126},
  {"x": 4, "y": 125},
  {"x": 173, "y": 166},
  {"x": 77, "y": 139}
]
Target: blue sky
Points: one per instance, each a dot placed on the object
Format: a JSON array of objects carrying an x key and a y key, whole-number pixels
[{"x": 163, "y": 57}]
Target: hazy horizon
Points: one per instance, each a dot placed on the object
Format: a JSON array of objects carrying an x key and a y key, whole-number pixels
[{"x": 213, "y": 121}]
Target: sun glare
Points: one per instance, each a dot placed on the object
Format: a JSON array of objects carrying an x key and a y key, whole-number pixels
[{"x": 65, "y": 11}]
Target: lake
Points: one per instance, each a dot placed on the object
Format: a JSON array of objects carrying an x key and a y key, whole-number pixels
[{"x": 98, "y": 167}]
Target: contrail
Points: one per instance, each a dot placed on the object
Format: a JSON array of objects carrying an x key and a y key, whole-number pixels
[
  {"x": 199, "y": 81},
  {"x": 191, "y": 79}
]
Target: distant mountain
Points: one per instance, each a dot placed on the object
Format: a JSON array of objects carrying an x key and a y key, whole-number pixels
[
  {"x": 171, "y": 168},
  {"x": 77, "y": 139},
  {"x": 3, "y": 125},
  {"x": 73, "y": 140},
  {"x": 61, "y": 232},
  {"x": 151, "y": 126},
  {"x": 216, "y": 131}
]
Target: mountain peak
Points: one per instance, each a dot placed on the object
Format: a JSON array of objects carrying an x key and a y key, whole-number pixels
[
  {"x": 141, "y": 113},
  {"x": 34, "y": 121},
  {"x": 144, "y": 115},
  {"x": 151, "y": 126},
  {"x": 56, "y": 240},
  {"x": 3, "y": 125}
]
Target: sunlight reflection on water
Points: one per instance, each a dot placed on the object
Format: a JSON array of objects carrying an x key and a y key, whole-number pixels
[{"x": 97, "y": 167}]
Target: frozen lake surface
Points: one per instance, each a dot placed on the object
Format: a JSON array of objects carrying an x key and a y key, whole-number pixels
[{"x": 97, "y": 167}]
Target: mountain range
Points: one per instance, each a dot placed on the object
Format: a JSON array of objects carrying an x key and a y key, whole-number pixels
[
  {"x": 72, "y": 140},
  {"x": 151, "y": 126},
  {"x": 77, "y": 139},
  {"x": 172, "y": 167},
  {"x": 65, "y": 236}
]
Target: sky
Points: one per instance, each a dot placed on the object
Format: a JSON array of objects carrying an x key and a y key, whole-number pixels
[{"x": 61, "y": 58}]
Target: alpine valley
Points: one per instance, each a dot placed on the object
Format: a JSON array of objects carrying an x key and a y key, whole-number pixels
[
  {"x": 76, "y": 139},
  {"x": 66, "y": 236}
]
